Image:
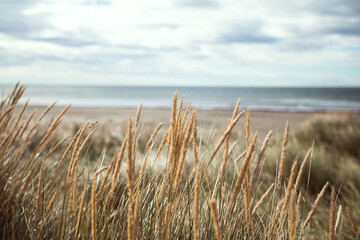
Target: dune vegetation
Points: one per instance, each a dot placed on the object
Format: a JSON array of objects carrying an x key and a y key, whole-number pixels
[{"x": 170, "y": 182}]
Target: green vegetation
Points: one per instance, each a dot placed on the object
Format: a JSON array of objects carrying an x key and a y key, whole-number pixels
[{"x": 172, "y": 184}]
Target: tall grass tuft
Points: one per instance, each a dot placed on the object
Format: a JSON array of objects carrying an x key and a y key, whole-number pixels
[{"x": 168, "y": 184}]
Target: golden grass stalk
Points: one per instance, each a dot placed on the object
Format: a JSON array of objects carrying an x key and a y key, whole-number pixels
[
  {"x": 197, "y": 204},
  {"x": 223, "y": 166},
  {"x": 288, "y": 190},
  {"x": 53, "y": 149},
  {"x": 314, "y": 206},
  {"x": 230, "y": 151},
  {"x": 107, "y": 174},
  {"x": 73, "y": 191},
  {"x": 82, "y": 147},
  {"x": 168, "y": 220},
  {"x": 256, "y": 173},
  {"x": 3, "y": 101},
  {"x": 7, "y": 113},
  {"x": 52, "y": 201},
  {"x": 147, "y": 150},
  {"x": 5, "y": 119},
  {"x": 283, "y": 155},
  {"x": 159, "y": 224},
  {"x": 225, "y": 157},
  {"x": 222, "y": 140},
  {"x": 78, "y": 143},
  {"x": 137, "y": 116},
  {"x": 162, "y": 144},
  {"x": 28, "y": 178},
  {"x": 172, "y": 130},
  {"x": 12, "y": 140},
  {"x": 68, "y": 148},
  {"x": 298, "y": 215},
  {"x": 236, "y": 109},
  {"x": 46, "y": 111},
  {"x": 15, "y": 95},
  {"x": 292, "y": 216},
  {"x": 240, "y": 157},
  {"x": 130, "y": 167},
  {"x": 18, "y": 94},
  {"x": 262, "y": 199},
  {"x": 75, "y": 167},
  {"x": 215, "y": 218},
  {"x": 178, "y": 123},
  {"x": 137, "y": 213},
  {"x": 187, "y": 111},
  {"x": 93, "y": 210},
  {"x": 242, "y": 174},
  {"x": 196, "y": 184},
  {"x": 207, "y": 178},
  {"x": 302, "y": 168},
  {"x": 75, "y": 151},
  {"x": 195, "y": 147},
  {"x": 12, "y": 94},
  {"x": 72, "y": 169},
  {"x": 352, "y": 222},
  {"x": 173, "y": 111},
  {"x": 184, "y": 147},
  {"x": 247, "y": 128},
  {"x": 52, "y": 128},
  {"x": 130, "y": 170},
  {"x": 39, "y": 191},
  {"x": 332, "y": 215},
  {"x": 21, "y": 113},
  {"x": 247, "y": 210},
  {"x": 117, "y": 166},
  {"x": 27, "y": 123},
  {"x": 133, "y": 149},
  {"x": 275, "y": 218},
  {"x": 153, "y": 135},
  {"x": 38, "y": 121},
  {"x": 81, "y": 208},
  {"x": 6, "y": 139}
]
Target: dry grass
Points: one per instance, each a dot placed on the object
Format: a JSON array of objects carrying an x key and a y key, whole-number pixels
[{"x": 173, "y": 186}]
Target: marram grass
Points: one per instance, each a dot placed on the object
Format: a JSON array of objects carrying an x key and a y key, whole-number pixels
[{"x": 213, "y": 190}]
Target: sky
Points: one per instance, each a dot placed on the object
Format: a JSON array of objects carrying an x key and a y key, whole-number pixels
[{"x": 180, "y": 42}]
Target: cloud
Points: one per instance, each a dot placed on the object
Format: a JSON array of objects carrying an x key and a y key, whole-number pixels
[
  {"x": 14, "y": 22},
  {"x": 248, "y": 33},
  {"x": 338, "y": 8},
  {"x": 197, "y": 3},
  {"x": 184, "y": 41},
  {"x": 20, "y": 60},
  {"x": 351, "y": 29},
  {"x": 70, "y": 42},
  {"x": 80, "y": 38},
  {"x": 247, "y": 37},
  {"x": 96, "y": 2}
]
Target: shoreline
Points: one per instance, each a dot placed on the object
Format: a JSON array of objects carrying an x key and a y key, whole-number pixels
[
  {"x": 116, "y": 117},
  {"x": 272, "y": 109}
]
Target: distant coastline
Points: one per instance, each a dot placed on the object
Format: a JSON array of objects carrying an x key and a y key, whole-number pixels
[
  {"x": 206, "y": 98},
  {"x": 270, "y": 109}
]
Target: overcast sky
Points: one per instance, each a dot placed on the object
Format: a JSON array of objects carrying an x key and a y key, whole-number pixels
[{"x": 181, "y": 42}]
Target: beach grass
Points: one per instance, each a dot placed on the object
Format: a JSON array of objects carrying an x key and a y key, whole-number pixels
[{"x": 170, "y": 182}]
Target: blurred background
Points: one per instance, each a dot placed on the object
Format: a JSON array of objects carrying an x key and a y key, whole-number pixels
[{"x": 181, "y": 44}]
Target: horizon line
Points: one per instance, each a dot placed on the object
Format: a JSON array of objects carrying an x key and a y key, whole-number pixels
[{"x": 179, "y": 86}]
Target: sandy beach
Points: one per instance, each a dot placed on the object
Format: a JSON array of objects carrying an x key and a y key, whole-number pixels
[{"x": 261, "y": 121}]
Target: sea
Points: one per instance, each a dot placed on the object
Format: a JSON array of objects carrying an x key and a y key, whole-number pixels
[{"x": 294, "y": 99}]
